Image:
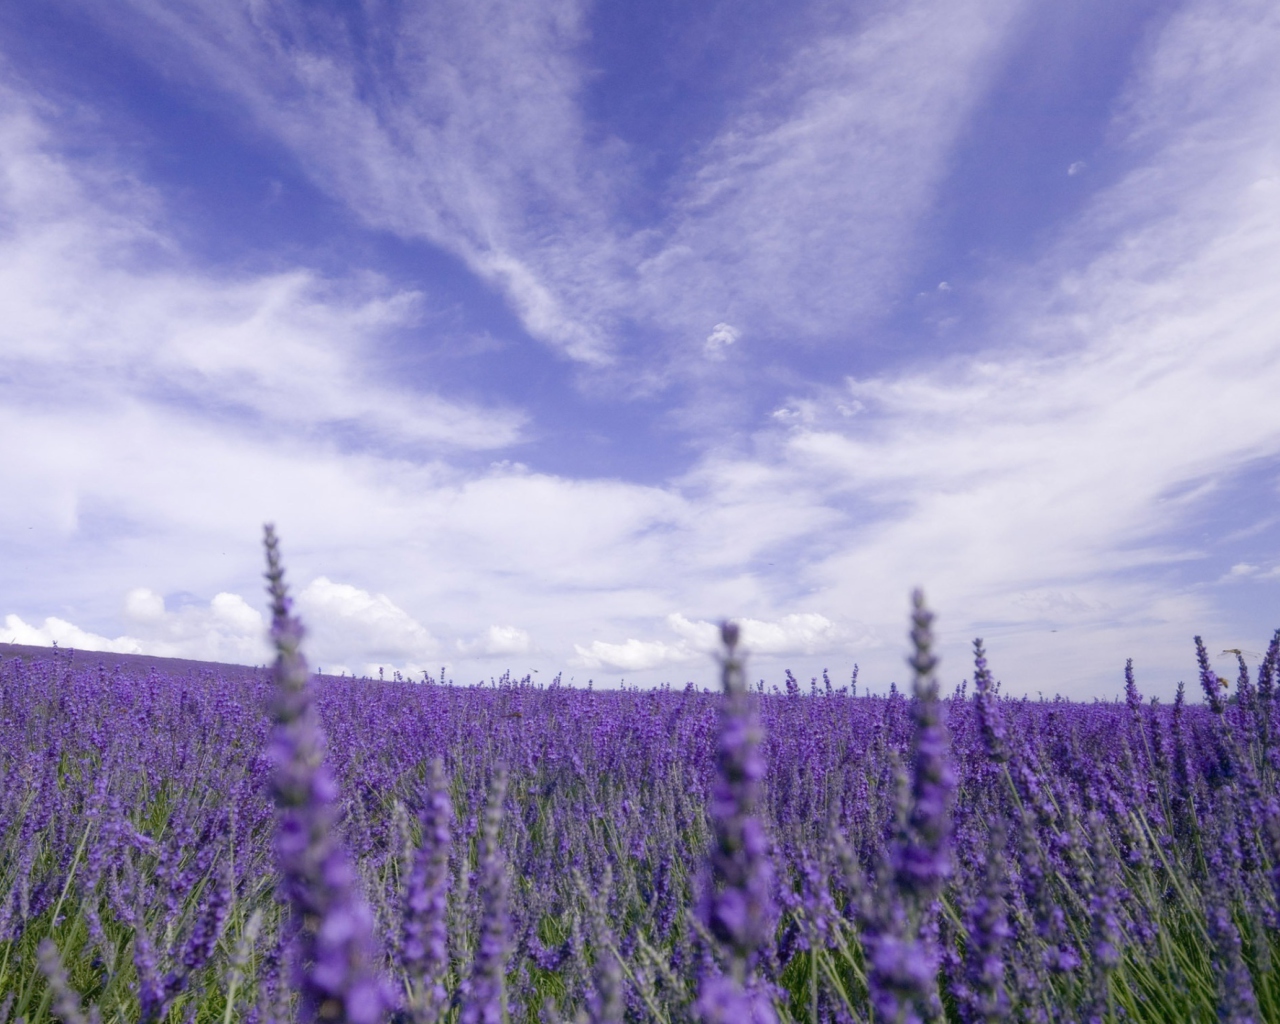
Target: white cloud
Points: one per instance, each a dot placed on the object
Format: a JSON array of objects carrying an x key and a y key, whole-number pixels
[
  {"x": 798, "y": 633},
  {"x": 631, "y": 655},
  {"x": 143, "y": 605},
  {"x": 343, "y": 619},
  {"x": 498, "y": 641},
  {"x": 800, "y": 214},
  {"x": 226, "y": 629},
  {"x": 471, "y": 139},
  {"x": 63, "y": 634},
  {"x": 722, "y": 336},
  {"x": 470, "y": 132},
  {"x": 90, "y": 318},
  {"x": 803, "y": 633},
  {"x": 1049, "y": 487}
]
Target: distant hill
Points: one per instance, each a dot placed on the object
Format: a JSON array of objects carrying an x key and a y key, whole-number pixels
[{"x": 131, "y": 663}]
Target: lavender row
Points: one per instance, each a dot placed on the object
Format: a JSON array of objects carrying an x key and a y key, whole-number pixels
[{"x": 263, "y": 846}]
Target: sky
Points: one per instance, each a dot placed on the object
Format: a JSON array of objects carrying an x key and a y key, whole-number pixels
[{"x": 550, "y": 333}]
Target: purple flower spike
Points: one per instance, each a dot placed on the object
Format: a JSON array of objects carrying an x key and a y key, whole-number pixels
[
  {"x": 1237, "y": 1003},
  {"x": 988, "y": 934},
  {"x": 737, "y": 907},
  {"x": 923, "y": 861},
  {"x": 901, "y": 947},
  {"x": 722, "y": 1000},
  {"x": 1131, "y": 695},
  {"x": 1208, "y": 679},
  {"x": 425, "y": 947},
  {"x": 330, "y": 926},
  {"x": 1267, "y": 670},
  {"x": 485, "y": 1001},
  {"x": 66, "y": 1003},
  {"x": 989, "y": 721}
]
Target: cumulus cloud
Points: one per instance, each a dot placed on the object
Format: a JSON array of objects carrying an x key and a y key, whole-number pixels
[
  {"x": 343, "y": 618},
  {"x": 60, "y": 633},
  {"x": 226, "y": 629},
  {"x": 630, "y": 655},
  {"x": 497, "y": 641},
  {"x": 802, "y": 633}
]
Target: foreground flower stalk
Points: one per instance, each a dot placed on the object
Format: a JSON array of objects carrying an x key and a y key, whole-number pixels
[
  {"x": 424, "y": 948},
  {"x": 485, "y": 1001},
  {"x": 330, "y": 928},
  {"x": 737, "y": 908},
  {"x": 899, "y": 931}
]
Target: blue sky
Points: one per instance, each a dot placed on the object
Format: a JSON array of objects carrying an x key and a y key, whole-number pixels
[{"x": 549, "y": 333}]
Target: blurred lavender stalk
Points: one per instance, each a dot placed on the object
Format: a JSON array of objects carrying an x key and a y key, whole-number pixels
[
  {"x": 424, "y": 948},
  {"x": 485, "y": 1001},
  {"x": 330, "y": 928},
  {"x": 737, "y": 907},
  {"x": 66, "y": 1003},
  {"x": 901, "y": 949},
  {"x": 990, "y": 722}
]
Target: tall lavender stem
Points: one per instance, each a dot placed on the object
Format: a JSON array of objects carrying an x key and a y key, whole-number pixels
[
  {"x": 988, "y": 933},
  {"x": 737, "y": 907},
  {"x": 984, "y": 699},
  {"x": 903, "y": 957},
  {"x": 66, "y": 1002},
  {"x": 425, "y": 943},
  {"x": 1208, "y": 679},
  {"x": 1131, "y": 695},
  {"x": 485, "y": 1001},
  {"x": 330, "y": 927},
  {"x": 923, "y": 861}
]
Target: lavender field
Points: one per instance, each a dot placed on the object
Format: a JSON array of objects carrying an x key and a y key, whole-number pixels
[{"x": 265, "y": 846}]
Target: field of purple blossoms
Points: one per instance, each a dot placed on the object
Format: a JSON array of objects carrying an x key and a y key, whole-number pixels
[{"x": 266, "y": 846}]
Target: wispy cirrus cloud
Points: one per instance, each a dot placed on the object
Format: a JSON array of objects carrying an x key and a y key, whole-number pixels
[
  {"x": 455, "y": 123},
  {"x": 1051, "y": 484},
  {"x": 464, "y": 125},
  {"x": 99, "y": 307},
  {"x": 797, "y": 219}
]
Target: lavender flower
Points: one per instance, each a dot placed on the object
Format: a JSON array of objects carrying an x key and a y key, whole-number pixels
[
  {"x": 989, "y": 720},
  {"x": 208, "y": 928},
  {"x": 988, "y": 933},
  {"x": 425, "y": 954},
  {"x": 607, "y": 998},
  {"x": 1131, "y": 695},
  {"x": 1105, "y": 925},
  {"x": 1244, "y": 686},
  {"x": 898, "y": 934},
  {"x": 737, "y": 907},
  {"x": 923, "y": 860},
  {"x": 330, "y": 926},
  {"x": 1182, "y": 802},
  {"x": 723, "y": 1000},
  {"x": 155, "y": 991},
  {"x": 1267, "y": 670},
  {"x": 1237, "y": 1003},
  {"x": 66, "y": 1003},
  {"x": 1208, "y": 679},
  {"x": 485, "y": 1001}
]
